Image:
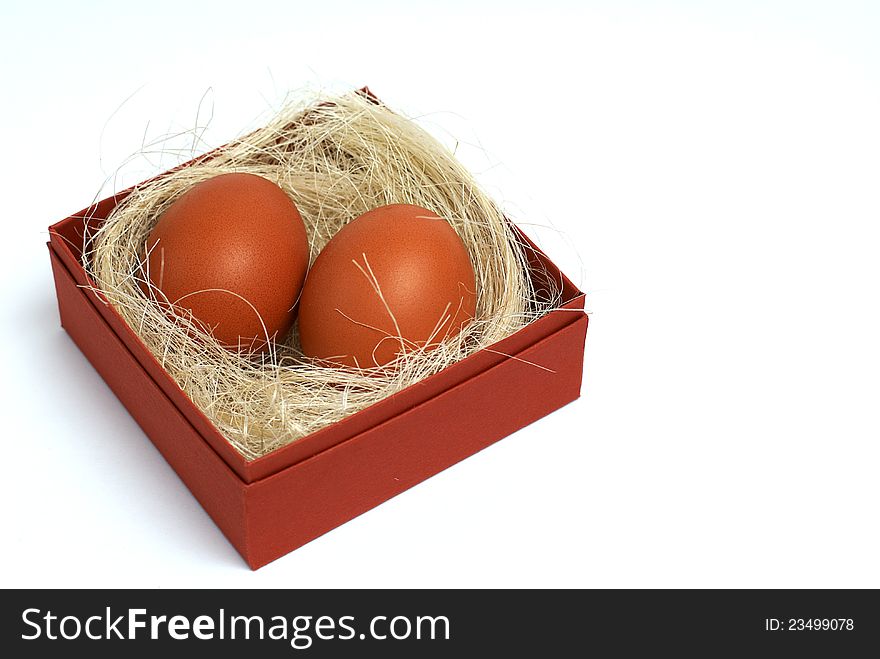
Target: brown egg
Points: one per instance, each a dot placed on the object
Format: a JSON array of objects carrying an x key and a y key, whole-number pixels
[
  {"x": 233, "y": 251},
  {"x": 395, "y": 279}
]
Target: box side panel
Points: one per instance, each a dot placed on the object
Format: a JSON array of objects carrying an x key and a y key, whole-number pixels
[
  {"x": 302, "y": 502},
  {"x": 215, "y": 486}
]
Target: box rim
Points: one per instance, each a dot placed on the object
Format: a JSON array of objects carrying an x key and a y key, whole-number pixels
[{"x": 251, "y": 470}]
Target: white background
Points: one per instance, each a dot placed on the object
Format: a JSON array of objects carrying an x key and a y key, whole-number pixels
[{"x": 708, "y": 172}]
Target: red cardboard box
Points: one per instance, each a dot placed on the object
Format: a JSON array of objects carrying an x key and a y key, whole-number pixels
[{"x": 272, "y": 505}]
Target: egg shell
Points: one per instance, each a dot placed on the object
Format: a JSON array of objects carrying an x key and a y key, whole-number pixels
[
  {"x": 233, "y": 251},
  {"x": 394, "y": 279}
]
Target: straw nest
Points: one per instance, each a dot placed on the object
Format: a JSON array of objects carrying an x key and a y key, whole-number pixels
[{"x": 337, "y": 158}]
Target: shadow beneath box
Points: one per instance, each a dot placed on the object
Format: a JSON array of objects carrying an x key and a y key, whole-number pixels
[{"x": 112, "y": 448}]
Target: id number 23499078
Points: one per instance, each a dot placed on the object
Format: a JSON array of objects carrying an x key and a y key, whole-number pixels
[{"x": 809, "y": 624}]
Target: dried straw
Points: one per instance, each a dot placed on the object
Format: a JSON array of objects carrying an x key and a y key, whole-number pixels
[{"x": 336, "y": 158}]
